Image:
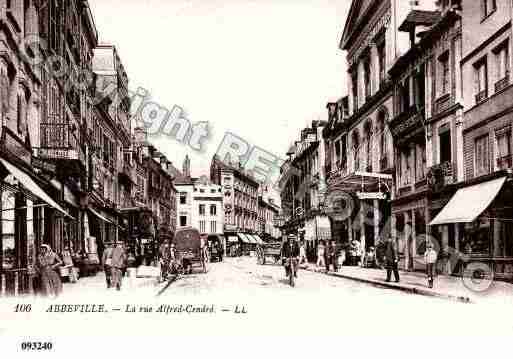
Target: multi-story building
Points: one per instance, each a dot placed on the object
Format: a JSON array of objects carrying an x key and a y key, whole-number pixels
[
  {"x": 484, "y": 229},
  {"x": 240, "y": 200},
  {"x": 427, "y": 129},
  {"x": 44, "y": 117},
  {"x": 360, "y": 126},
  {"x": 267, "y": 218},
  {"x": 303, "y": 178}
]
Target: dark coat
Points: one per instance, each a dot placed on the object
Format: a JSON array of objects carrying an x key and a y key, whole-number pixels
[
  {"x": 290, "y": 249},
  {"x": 391, "y": 252}
]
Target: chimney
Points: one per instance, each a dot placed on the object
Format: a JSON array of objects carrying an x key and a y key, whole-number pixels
[{"x": 187, "y": 167}]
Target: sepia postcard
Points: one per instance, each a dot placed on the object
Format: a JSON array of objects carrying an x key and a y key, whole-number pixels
[{"x": 250, "y": 178}]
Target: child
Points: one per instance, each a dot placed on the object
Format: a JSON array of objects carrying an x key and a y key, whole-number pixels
[{"x": 430, "y": 257}]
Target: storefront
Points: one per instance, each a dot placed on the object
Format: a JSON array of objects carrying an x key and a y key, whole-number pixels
[
  {"x": 480, "y": 219},
  {"x": 28, "y": 214}
]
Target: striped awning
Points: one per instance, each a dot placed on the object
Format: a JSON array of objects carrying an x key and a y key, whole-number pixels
[{"x": 243, "y": 238}]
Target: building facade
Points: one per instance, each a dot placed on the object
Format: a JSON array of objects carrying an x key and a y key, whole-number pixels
[{"x": 484, "y": 231}]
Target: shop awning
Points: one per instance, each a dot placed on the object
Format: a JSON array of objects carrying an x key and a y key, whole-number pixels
[
  {"x": 253, "y": 238},
  {"x": 32, "y": 186},
  {"x": 233, "y": 239},
  {"x": 100, "y": 216},
  {"x": 469, "y": 202},
  {"x": 250, "y": 238},
  {"x": 258, "y": 239},
  {"x": 243, "y": 238}
]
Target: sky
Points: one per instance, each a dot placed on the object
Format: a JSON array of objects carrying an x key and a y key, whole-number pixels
[{"x": 262, "y": 70}]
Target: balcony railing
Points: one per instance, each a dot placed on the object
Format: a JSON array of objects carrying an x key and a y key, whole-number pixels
[
  {"x": 440, "y": 175},
  {"x": 407, "y": 121},
  {"x": 502, "y": 83},
  {"x": 481, "y": 96},
  {"x": 505, "y": 162}
]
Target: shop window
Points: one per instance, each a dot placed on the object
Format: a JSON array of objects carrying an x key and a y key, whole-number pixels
[{"x": 482, "y": 157}]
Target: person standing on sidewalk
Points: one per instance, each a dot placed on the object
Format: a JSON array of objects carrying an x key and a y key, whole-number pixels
[
  {"x": 391, "y": 259},
  {"x": 331, "y": 256},
  {"x": 321, "y": 251},
  {"x": 118, "y": 263},
  {"x": 430, "y": 257},
  {"x": 107, "y": 263}
]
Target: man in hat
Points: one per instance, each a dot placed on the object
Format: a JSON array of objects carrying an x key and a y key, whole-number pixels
[
  {"x": 118, "y": 264},
  {"x": 107, "y": 263},
  {"x": 290, "y": 251},
  {"x": 430, "y": 257}
]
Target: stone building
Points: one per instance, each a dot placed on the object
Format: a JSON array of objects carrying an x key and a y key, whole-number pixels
[
  {"x": 484, "y": 230},
  {"x": 426, "y": 129}
]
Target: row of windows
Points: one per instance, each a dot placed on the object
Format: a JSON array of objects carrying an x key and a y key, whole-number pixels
[
  {"x": 213, "y": 209},
  {"x": 501, "y": 142}
]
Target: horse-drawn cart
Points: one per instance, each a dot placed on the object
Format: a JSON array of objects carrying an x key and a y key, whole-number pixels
[
  {"x": 191, "y": 250},
  {"x": 268, "y": 250}
]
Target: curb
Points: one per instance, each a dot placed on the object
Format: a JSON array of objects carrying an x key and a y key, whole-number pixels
[{"x": 403, "y": 288}]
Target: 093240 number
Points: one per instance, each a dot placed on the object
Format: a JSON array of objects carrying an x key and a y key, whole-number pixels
[{"x": 36, "y": 346}]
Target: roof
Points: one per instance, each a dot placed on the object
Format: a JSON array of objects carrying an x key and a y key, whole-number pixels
[
  {"x": 420, "y": 18},
  {"x": 179, "y": 177}
]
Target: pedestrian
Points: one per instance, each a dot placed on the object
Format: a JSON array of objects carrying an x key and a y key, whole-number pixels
[
  {"x": 164, "y": 259},
  {"x": 321, "y": 251},
  {"x": 302, "y": 254},
  {"x": 107, "y": 264},
  {"x": 47, "y": 264},
  {"x": 370, "y": 258},
  {"x": 118, "y": 264},
  {"x": 331, "y": 256},
  {"x": 391, "y": 259},
  {"x": 430, "y": 257}
]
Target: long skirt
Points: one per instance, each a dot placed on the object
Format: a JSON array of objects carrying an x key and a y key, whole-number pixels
[{"x": 51, "y": 283}]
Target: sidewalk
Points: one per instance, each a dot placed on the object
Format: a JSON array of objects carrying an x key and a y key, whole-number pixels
[
  {"x": 447, "y": 287},
  {"x": 96, "y": 285}
]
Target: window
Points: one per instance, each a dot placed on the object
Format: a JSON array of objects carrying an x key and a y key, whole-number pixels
[
  {"x": 481, "y": 80},
  {"x": 367, "y": 77},
  {"x": 382, "y": 61},
  {"x": 443, "y": 62},
  {"x": 503, "y": 140},
  {"x": 482, "y": 164},
  {"x": 183, "y": 198},
  {"x": 354, "y": 81},
  {"x": 444, "y": 136},
  {"x": 202, "y": 227},
  {"x": 404, "y": 93},
  {"x": 183, "y": 221},
  {"x": 202, "y": 209},
  {"x": 213, "y": 210},
  {"x": 488, "y": 7},
  {"x": 502, "y": 59},
  {"x": 213, "y": 227},
  {"x": 420, "y": 158}
]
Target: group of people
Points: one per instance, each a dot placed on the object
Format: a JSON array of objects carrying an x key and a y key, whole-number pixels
[{"x": 328, "y": 255}]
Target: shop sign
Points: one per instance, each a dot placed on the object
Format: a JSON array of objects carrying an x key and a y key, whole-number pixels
[{"x": 371, "y": 195}]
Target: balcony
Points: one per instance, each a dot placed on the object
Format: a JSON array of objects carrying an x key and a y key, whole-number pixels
[
  {"x": 60, "y": 142},
  {"x": 407, "y": 122},
  {"x": 504, "y": 162},
  {"x": 502, "y": 83},
  {"x": 127, "y": 173},
  {"x": 443, "y": 103},
  {"x": 440, "y": 176},
  {"x": 481, "y": 96}
]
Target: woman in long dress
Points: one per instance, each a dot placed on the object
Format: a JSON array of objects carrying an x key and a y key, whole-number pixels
[{"x": 48, "y": 262}]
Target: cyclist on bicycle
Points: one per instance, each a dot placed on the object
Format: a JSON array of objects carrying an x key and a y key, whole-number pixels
[{"x": 290, "y": 254}]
